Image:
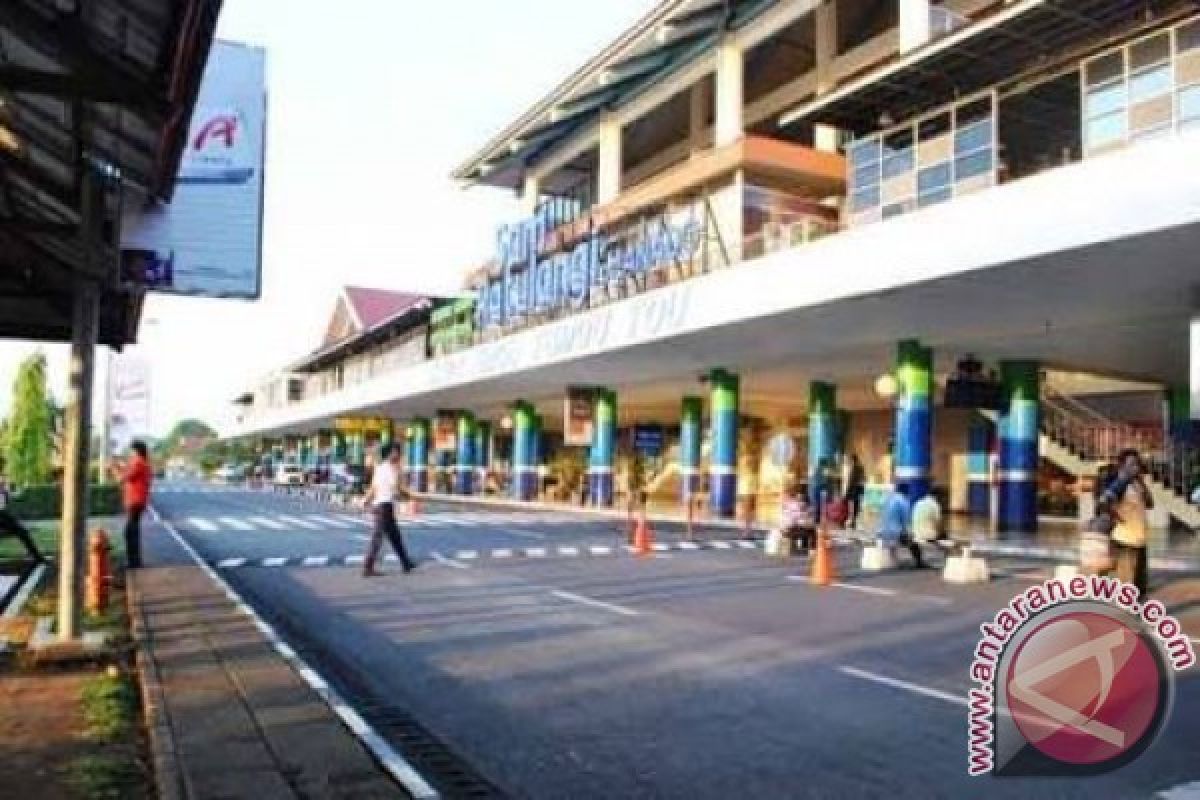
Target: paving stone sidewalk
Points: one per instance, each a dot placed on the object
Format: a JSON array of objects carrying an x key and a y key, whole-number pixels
[{"x": 228, "y": 716}]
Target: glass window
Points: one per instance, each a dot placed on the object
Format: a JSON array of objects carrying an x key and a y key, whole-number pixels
[
  {"x": 1106, "y": 130},
  {"x": 934, "y": 197},
  {"x": 863, "y": 153},
  {"x": 898, "y": 163},
  {"x": 865, "y": 176},
  {"x": 1150, "y": 83},
  {"x": 1151, "y": 133},
  {"x": 1106, "y": 68},
  {"x": 973, "y": 137},
  {"x": 935, "y": 177},
  {"x": 1105, "y": 99},
  {"x": 864, "y": 199},
  {"x": 972, "y": 112},
  {"x": 1147, "y": 52},
  {"x": 1189, "y": 104},
  {"x": 934, "y": 126},
  {"x": 1187, "y": 37},
  {"x": 971, "y": 165}
]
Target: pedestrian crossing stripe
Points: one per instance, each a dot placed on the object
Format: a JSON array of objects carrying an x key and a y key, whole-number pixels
[
  {"x": 235, "y": 523},
  {"x": 499, "y": 553},
  {"x": 202, "y": 524},
  {"x": 332, "y": 521},
  {"x": 297, "y": 521},
  {"x": 267, "y": 522}
]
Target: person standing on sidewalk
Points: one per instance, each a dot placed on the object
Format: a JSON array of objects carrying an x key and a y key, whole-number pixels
[
  {"x": 1130, "y": 500},
  {"x": 381, "y": 499},
  {"x": 855, "y": 488},
  {"x": 136, "y": 479}
]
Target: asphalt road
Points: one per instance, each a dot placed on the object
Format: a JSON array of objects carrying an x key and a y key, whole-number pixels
[{"x": 558, "y": 665}]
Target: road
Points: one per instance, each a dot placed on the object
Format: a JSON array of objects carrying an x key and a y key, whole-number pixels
[{"x": 533, "y": 652}]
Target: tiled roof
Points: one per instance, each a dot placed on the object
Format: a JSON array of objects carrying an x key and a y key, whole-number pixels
[{"x": 374, "y": 306}]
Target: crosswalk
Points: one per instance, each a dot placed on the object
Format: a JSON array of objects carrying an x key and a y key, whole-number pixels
[
  {"x": 264, "y": 522},
  {"x": 494, "y": 554}
]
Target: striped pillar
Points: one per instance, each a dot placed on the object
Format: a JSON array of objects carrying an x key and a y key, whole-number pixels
[
  {"x": 539, "y": 453},
  {"x": 483, "y": 452},
  {"x": 690, "y": 437},
  {"x": 979, "y": 450},
  {"x": 723, "y": 466},
  {"x": 418, "y": 476},
  {"x": 524, "y": 472},
  {"x": 1179, "y": 413},
  {"x": 604, "y": 448},
  {"x": 386, "y": 434},
  {"x": 914, "y": 419},
  {"x": 822, "y": 435},
  {"x": 337, "y": 449},
  {"x": 464, "y": 474},
  {"x": 1018, "y": 469}
]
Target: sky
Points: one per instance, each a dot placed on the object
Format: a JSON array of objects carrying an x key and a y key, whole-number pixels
[{"x": 370, "y": 107}]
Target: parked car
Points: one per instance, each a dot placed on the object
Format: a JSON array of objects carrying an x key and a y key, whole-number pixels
[
  {"x": 229, "y": 473},
  {"x": 289, "y": 475}
]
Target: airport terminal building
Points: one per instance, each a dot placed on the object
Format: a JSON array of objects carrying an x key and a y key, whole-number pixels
[{"x": 958, "y": 240}]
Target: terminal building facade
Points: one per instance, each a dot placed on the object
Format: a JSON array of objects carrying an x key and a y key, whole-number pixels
[{"x": 956, "y": 240}]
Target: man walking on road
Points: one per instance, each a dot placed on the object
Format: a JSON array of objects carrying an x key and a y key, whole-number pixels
[
  {"x": 136, "y": 479},
  {"x": 381, "y": 498}
]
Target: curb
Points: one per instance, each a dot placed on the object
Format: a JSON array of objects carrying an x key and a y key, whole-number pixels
[{"x": 168, "y": 778}]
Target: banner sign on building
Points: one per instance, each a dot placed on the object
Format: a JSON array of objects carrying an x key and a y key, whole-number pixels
[
  {"x": 578, "y": 413},
  {"x": 530, "y": 283},
  {"x": 649, "y": 439},
  {"x": 445, "y": 432},
  {"x": 128, "y": 401},
  {"x": 362, "y": 424},
  {"x": 208, "y": 240}
]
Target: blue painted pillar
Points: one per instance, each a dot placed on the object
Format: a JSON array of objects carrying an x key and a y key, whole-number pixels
[
  {"x": 979, "y": 453},
  {"x": 539, "y": 453},
  {"x": 822, "y": 436},
  {"x": 464, "y": 471},
  {"x": 723, "y": 466},
  {"x": 691, "y": 436},
  {"x": 524, "y": 473},
  {"x": 914, "y": 419},
  {"x": 419, "y": 466},
  {"x": 483, "y": 453},
  {"x": 337, "y": 449},
  {"x": 604, "y": 448},
  {"x": 356, "y": 448},
  {"x": 1019, "y": 458},
  {"x": 1179, "y": 415}
]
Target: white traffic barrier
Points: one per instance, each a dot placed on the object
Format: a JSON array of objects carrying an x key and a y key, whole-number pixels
[
  {"x": 878, "y": 557},
  {"x": 965, "y": 568}
]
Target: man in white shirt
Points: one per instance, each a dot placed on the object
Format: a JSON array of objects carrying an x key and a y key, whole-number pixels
[
  {"x": 381, "y": 499},
  {"x": 927, "y": 521}
]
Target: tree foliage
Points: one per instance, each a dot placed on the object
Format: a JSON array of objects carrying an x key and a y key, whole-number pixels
[{"x": 29, "y": 433}]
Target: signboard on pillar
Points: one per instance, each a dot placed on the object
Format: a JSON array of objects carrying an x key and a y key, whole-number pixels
[
  {"x": 649, "y": 440},
  {"x": 128, "y": 401},
  {"x": 445, "y": 433},
  {"x": 208, "y": 240},
  {"x": 578, "y": 417}
]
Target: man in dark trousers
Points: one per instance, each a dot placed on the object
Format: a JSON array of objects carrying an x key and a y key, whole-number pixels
[
  {"x": 136, "y": 479},
  {"x": 11, "y": 526},
  {"x": 381, "y": 498}
]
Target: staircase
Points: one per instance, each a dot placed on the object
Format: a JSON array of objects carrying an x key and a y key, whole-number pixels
[{"x": 1079, "y": 440}]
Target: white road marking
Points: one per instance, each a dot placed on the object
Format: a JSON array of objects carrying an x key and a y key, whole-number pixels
[
  {"x": 449, "y": 562},
  {"x": 362, "y": 537},
  {"x": 568, "y": 551},
  {"x": 298, "y": 522},
  {"x": 353, "y": 520},
  {"x": 355, "y": 560},
  {"x": 235, "y": 523},
  {"x": 535, "y": 552},
  {"x": 325, "y": 519},
  {"x": 466, "y": 555},
  {"x": 232, "y": 563},
  {"x": 201, "y": 524},
  {"x": 1186, "y": 791},
  {"x": 745, "y": 545},
  {"x": 599, "y": 550},
  {"x": 316, "y": 561},
  {"x": 502, "y": 553},
  {"x": 720, "y": 545},
  {"x": 267, "y": 522},
  {"x": 588, "y": 601},
  {"x": 884, "y": 680},
  {"x": 660, "y": 547},
  {"x": 688, "y": 546},
  {"x": 858, "y": 587},
  {"x": 274, "y": 562}
]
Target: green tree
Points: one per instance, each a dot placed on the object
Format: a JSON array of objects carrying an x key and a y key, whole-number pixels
[{"x": 29, "y": 440}]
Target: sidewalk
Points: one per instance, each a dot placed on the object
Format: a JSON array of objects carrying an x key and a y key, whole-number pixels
[{"x": 228, "y": 717}]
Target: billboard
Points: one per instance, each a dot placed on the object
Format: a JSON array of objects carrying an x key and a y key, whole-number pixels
[
  {"x": 578, "y": 412},
  {"x": 128, "y": 401},
  {"x": 208, "y": 240}
]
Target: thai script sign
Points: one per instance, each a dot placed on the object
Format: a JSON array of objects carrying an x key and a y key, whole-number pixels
[{"x": 530, "y": 283}]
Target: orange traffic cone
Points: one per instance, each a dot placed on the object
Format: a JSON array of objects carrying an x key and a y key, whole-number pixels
[
  {"x": 643, "y": 538},
  {"x": 822, "y": 567}
]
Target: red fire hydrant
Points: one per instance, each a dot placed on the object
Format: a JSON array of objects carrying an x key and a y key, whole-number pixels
[{"x": 99, "y": 572}]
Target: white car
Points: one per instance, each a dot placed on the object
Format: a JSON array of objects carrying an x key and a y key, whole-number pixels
[
  {"x": 229, "y": 473},
  {"x": 289, "y": 475}
]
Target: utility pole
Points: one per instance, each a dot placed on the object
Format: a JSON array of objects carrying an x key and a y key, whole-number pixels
[{"x": 77, "y": 445}]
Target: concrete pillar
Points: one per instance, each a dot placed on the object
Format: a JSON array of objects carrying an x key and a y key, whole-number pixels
[
  {"x": 418, "y": 475},
  {"x": 531, "y": 192},
  {"x": 524, "y": 469},
  {"x": 696, "y": 118},
  {"x": 1018, "y": 469},
  {"x": 608, "y": 178},
  {"x": 723, "y": 465},
  {"x": 914, "y": 419},
  {"x": 822, "y": 436},
  {"x": 604, "y": 448},
  {"x": 690, "y": 438},
  {"x": 483, "y": 453},
  {"x": 915, "y": 28},
  {"x": 464, "y": 471},
  {"x": 730, "y": 94},
  {"x": 357, "y": 448},
  {"x": 825, "y": 46},
  {"x": 979, "y": 450}
]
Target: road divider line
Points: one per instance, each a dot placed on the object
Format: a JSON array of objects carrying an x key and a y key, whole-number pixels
[
  {"x": 231, "y": 563},
  {"x": 235, "y": 523},
  {"x": 267, "y": 522},
  {"x": 906, "y": 686},
  {"x": 449, "y": 562},
  {"x": 396, "y": 765},
  {"x": 201, "y": 524},
  {"x": 589, "y": 601},
  {"x": 274, "y": 562}
]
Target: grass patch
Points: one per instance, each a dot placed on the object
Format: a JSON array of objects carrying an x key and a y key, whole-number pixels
[
  {"x": 45, "y": 536},
  {"x": 109, "y": 707},
  {"x": 104, "y": 777}
]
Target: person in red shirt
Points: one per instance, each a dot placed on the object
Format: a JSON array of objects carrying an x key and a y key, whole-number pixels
[{"x": 136, "y": 480}]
